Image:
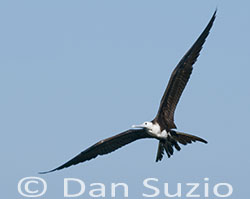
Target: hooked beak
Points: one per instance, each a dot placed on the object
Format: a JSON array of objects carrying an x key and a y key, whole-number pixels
[{"x": 138, "y": 126}]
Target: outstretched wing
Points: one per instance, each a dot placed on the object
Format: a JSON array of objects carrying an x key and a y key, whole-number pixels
[
  {"x": 105, "y": 146},
  {"x": 179, "y": 79}
]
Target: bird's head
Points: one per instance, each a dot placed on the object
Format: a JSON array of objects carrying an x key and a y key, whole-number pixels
[{"x": 147, "y": 125}]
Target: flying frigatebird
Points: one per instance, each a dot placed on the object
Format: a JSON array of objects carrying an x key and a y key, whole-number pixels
[{"x": 161, "y": 127}]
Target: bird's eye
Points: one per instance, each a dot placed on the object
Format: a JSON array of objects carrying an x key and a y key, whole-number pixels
[{"x": 146, "y": 123}]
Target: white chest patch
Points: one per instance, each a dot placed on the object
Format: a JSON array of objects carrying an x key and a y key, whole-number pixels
[
  {"x": 156, "y": 131},
  {"x": 163, "y": 134}
]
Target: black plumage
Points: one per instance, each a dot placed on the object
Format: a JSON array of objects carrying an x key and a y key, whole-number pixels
[
  {"x": 164, "y": 117},
  {"x": 178, "y": 81},
  {"x": 106, "y": 146}
]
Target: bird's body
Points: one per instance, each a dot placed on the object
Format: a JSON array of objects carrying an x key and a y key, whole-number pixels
[
  {"x": 153, "y": 129},
  {"x": 161, "y": 127}
]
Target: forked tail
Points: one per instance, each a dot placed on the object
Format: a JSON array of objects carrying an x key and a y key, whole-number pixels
[{"x": 172, "y": 141}]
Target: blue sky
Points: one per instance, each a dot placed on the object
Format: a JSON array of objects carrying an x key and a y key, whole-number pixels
[{"x": 75, "y": 72}]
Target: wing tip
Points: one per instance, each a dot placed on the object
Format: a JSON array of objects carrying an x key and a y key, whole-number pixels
[
  {"x": 216, "y": 9},
  {"x": 214, "y": 15},
  {"x": 45, "y": 172}
]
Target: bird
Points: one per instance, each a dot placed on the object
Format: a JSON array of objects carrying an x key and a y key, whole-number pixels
[{"x": 162, "y": 127}]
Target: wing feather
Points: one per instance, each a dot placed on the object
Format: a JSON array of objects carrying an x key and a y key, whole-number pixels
[
  {"x": 105, "y": 146},
  {"x": 179, "y": 79}
]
